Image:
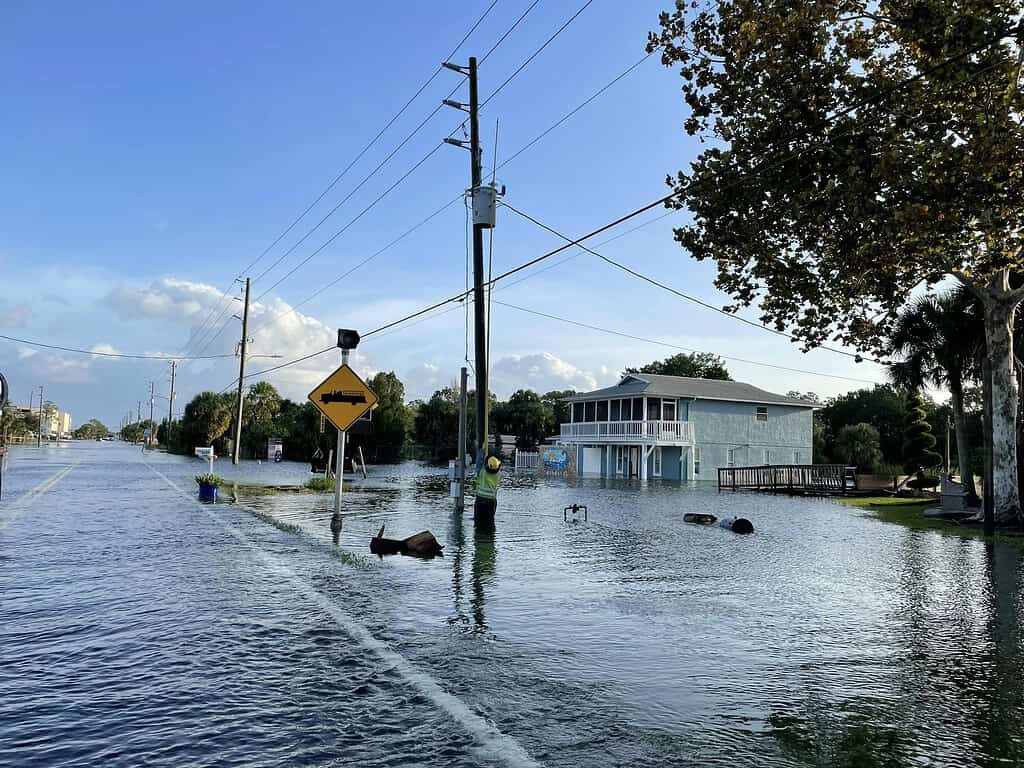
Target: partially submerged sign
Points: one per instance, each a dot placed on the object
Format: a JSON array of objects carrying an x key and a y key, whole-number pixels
[{"x": 343, "y": 397}]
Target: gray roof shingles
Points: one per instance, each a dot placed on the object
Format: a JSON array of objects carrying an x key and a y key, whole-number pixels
[{"x": 657, "y": 385}]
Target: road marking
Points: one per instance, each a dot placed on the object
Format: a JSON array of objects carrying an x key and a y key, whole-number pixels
[
  {"x": 32, "y": 494},
  {"x": 492, "y": 744}
]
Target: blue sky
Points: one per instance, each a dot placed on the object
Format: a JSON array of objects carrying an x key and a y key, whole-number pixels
[{"x": 152, "y": 151}]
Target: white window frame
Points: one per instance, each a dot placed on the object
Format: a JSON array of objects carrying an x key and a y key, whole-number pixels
[
  {"x": 730, "y": 457},
  {"x": 766, "y": 454},
  {"x": 656, "y": 470},
  {"x": 669, "y": 403},
  {"x": 761, "y": 414},
  {"x": 619, "y": 451},
  {"x": 796, "y": 457},
  {"x": 696, "y": 461}
]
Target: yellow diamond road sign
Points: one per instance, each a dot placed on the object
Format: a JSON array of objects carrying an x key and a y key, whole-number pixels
[{"x": 343, "y": 397}]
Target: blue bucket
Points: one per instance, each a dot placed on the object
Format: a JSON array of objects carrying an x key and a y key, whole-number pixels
[{"x": 208, "y": 493}]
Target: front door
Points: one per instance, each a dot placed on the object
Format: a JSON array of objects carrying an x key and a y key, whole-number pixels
[{"x": 633, "y": 464}]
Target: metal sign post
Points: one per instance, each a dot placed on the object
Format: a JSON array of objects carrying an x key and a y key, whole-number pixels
[{"x": 342, "y": 398}]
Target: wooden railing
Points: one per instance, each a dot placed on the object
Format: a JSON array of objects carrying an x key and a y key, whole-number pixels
[
  {"x": 625, "y": 431},
  {"x": 789, "y": 478}
]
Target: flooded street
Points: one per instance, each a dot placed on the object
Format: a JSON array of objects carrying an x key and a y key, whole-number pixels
[{"x": 138, "y": 627}]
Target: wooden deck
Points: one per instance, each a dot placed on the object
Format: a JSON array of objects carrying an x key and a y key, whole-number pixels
[{"x": 796, "y": 479}]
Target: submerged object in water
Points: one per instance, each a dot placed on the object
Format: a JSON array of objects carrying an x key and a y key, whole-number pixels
[
  {"x": 422, "y": 544},
  {"x": 700, "y": 518},
  {"x": 737, "y": 524}
]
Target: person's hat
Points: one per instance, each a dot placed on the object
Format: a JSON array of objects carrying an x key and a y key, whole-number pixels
[{"x": 493, "y": 464}]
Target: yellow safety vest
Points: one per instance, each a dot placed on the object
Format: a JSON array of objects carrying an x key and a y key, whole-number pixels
[{"x": 487, "y": 484}]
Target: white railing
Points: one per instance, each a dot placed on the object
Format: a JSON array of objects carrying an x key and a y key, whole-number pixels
[
  {"x": 527, "y": 461},
  {"x": 621, "y": 431}
]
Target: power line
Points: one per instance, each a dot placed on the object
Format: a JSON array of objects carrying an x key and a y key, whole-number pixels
[
  {"x": 536, "y": 53},
  {"x": 164, "y": 357},
  {"x": 380, "y": 165},
  {"x": 451, "y": 202},
  {"x": 297, "y": 360},
  {"x": 680, "y": 294},
  {"x": 623, "y": 334}
]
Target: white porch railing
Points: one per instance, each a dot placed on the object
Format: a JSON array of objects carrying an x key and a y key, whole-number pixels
[
  {"x": 626, "y": 431},
  {"x": 527, "y": 461}
]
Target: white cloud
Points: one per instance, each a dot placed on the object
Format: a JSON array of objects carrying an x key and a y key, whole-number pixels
[
  {"x": 14, "y": 315},
  {"x": 543, "y": 372},
  {"x": 422, "y": 381},
  {"x": 105, "y": 349}
]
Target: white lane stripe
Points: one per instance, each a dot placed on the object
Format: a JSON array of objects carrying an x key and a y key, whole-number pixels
[
  {"x": 491, "y": 743},
  {"x": 32, "y": 494}
]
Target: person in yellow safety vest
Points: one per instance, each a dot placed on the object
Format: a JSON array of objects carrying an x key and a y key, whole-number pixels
[{"x": 487, "y": 481}]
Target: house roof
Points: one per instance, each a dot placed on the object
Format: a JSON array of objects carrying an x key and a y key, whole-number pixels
[{"x": 656, "y": 385}]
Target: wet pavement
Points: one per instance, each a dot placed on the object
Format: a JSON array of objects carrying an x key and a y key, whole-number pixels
[{"x": 138, "y": 627}]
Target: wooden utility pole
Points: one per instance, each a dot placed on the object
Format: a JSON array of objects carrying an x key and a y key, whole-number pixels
[
  {"x": 39, "y": 432},
  {"x": 241, "y": 376},
  {"x": 170, "y": 402},
  {"x": 148, "y": 439},
  {"x": 479, "y": 327}
]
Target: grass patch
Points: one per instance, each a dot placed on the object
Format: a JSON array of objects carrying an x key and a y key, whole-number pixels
[
  {"x": 910, "y": 514},
  {"x": 320, "y": 484},
  {"x": 271, "y": 520}
]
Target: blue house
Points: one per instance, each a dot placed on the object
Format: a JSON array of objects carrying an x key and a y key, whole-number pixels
[{"x": 676, "y": 428}]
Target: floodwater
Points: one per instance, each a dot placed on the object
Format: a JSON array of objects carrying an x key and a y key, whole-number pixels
[{"x": 138, "y": 627}]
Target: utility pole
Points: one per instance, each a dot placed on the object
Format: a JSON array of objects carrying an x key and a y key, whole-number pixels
[
  {"x": 170, "y": 401},
  {"x": 152, "y": 397},
  {"x": 241, "y": 376},
  {"x": 483, "y": 199},
  {"x": 39, "y": 432},
  {"x": 460, "y": 467}
]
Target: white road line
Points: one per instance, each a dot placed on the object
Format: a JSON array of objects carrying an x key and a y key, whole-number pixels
[
  {"x": 32, "y": 494},
  {"x": 491, "y": 743}
]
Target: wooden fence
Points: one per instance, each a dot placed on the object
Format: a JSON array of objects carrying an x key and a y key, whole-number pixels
[{"x": 822, "y": 479}]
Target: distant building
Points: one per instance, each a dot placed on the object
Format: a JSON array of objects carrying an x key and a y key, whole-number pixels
[{"x": 676, "y": 428}]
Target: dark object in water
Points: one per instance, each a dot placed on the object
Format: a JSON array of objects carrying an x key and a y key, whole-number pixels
[
  {"x": 700, "y": 518},
  {"x": 575, "y": 509},
  {"x": 422, "y": 544},
  {"x": 737, "y": 524}
]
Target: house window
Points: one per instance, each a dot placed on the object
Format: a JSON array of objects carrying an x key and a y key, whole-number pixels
[
  {"x": 767, "y": 455},
  {"x": 602, "y": 410},
  {"x": 696, "y": 461},
  {"x": 590, "y": 411},
  {"x": 668, "y": 410},
  {"x": 653, "y": 408},
  {"x": 796, "y": 457},
  {"x": 616, "y": 410},
  {"x": 762, "y": 413},
  {"x": 577, "y": 412},
  {"x": 618, "y": 459},
  {"x": 730, "y": 457},
  {"x": 657, "y": 462}
]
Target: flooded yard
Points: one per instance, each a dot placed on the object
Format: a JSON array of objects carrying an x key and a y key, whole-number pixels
[{"x": 138, "y": 627}]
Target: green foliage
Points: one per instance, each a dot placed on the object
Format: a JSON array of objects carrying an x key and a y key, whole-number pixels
[
  {"x": 918, "y": 440},
  {"x": 320, "y": 484},
  {"x": 209, "y": 478},
  {"x": 391, "y": 418},
  {"x": 883, "y": 407},
  {"x": 560, "y": 410},
  {"x": 437, "y": 423},
  {"x": 17, "y": 423},
  {"x": 857, "y": 445},
  {"x": 207, "y": 419},
  {"x": 91, "y": 430},
  {"x": 136, "y": 431},
  {"x": 698, "y": 365},
  {"x": 851, "y": 207},
  {"x": 528, "y": 418}
]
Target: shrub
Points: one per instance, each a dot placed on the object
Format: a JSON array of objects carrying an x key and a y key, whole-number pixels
[
  {"x": 208, "y": 478},
  {"x": 320, "y": 484}
]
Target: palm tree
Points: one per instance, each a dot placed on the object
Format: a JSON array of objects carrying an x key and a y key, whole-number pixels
[{"x": 939, "y": 338}]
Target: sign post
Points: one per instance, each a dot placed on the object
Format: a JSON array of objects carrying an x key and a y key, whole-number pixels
[{"x": 342, "y": 398}]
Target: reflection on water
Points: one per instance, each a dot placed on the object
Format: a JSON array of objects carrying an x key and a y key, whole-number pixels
[{"x": 825, "y": 638}]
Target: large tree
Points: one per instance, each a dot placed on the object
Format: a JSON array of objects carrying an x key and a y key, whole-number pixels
[
  {"x": 390, "y": 419},
  {"x": 207, "y": 418},
  {"x": 857, "y": 149},
  {"x": 698, "y": 365}
]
